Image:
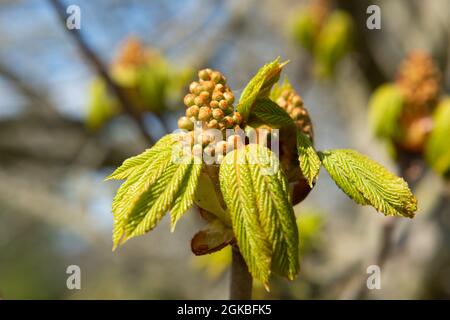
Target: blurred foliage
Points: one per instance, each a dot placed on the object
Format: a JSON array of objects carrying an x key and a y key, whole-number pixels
[
  {"x": 385, "y": 107},
  {"x": 148, "y": 80},
  {"x": 411, "y": 116},
  {"x": 325, "y": 33},
  {"x": 437, "y": 151}
]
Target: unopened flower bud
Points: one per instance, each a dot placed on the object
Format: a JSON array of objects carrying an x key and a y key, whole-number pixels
[
  {"x": 228, "y": 122},
  {"x": 237, "y": 118},
  {"x": 208, "y": 85},
  {"x": 229, "y": 110},
  {"x": 218, "y": 114},
  {"x": 297, "y": 101},
  {"x": 214, "y": 104},
  {"x": 193, "y": 86},
  {"x": 293, "y": 104},
  {"x": 296, "y": 113},
  {"x": 220, "y": 87},
  {"x": 216, "y": 77},
  {"x": 203, "y": 75},
  {"x": 198, "y": 89},
  {"x": 200, "y": 101},
  {"x": 229, "y": 97},
  {"x": 204, "y": 114},
  {"x": 282, "y": 103},
  {"x": 285, "y": 94},
  {"x": 189, "y": 99},
  {"x": 204, "y": 95},
  {"x": 217, "y": 95},
  {"x": 185, "y": 123},
  {"x": 192, "y": 111},
  {"x": 223, "y": 104},
  {"x": 290, "y": 108},
  {"x": 213, "y": 124}
]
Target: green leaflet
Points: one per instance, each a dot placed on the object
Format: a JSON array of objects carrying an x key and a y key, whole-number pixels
[
  {"x": 154, "y": 185},
  {"x": 369, "y": 183},
  {"x": 265, "y": 111},
  {"x": 259, "y": 86},
  {"x": 307, "y": 157},
  {"x": 385, "y": 107},
  {"x": 261, "y": 213},
  {"x": 131, "y": 164},
  {"x": 185, "y": 197},
  {"x": 437, "y": 152},
  {"x": 133, "y": 188},
  {"x": 208, "y": 200}
]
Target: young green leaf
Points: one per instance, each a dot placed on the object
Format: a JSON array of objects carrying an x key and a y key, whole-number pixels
[
  {"x": 437, "y": 152},
  {"x": 211, "y": 201},
  {"x": 155, "y": 184},
  {"x": 307, "y": 157},
  {"x": 131, "y": 164},
  {"x": 385, "y": 107},
  {"x": 185, "y": 197},
  {"x": 265, "y": 111},
  {"x": 259, "y": 86},
  {"x": 369, "y": 183},
  {"x": 256, "y": 193}
]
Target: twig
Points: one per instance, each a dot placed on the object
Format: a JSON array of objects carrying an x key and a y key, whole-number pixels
[
  {"x": 90, "y": 55},
  {"x": 241, "y": 280}
]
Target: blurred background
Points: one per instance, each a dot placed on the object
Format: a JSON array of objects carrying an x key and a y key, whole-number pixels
[{"x": 75, "y": 103}]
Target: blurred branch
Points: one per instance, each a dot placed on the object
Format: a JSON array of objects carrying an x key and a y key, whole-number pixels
[
  {"x": 58, "y": 141},
  {"x": 26, "y": 90},
  {"x": 369, "y": 62},
  {"x": 90, "y": 55},
  {"x": 36, "y": 199},
  {"x": 241, "y": 280}
]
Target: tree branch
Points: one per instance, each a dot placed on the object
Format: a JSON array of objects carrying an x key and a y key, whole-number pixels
[
  {"x": 241, "y": 280},
  {"x": 90, "y": 55}
]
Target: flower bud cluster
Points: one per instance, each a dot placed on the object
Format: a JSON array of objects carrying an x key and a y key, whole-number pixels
[
  {"x": 419, "y": 81},
  {"x": 210, "y": 101},
  {"x": 293, "y": 104}
]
